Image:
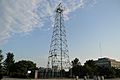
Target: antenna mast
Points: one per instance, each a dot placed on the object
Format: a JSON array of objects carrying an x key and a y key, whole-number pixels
[{"x": 58, "y": 59}]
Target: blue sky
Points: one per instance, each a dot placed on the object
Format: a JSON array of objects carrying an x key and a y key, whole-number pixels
[{"x": 88, "y": 25}]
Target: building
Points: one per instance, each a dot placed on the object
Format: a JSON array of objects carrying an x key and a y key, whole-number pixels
[{"x": 107, "y": 62}]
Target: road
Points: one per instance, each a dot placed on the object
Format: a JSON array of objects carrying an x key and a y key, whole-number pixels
[{"x": 49, "y": 79}]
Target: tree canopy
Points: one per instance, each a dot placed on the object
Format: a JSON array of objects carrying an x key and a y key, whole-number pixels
[
  {"x": 21, "y": 68},
  {"x": 75, "y": 62},
  {"x": 1, "y": 69},
  {"x": 8, "y": 63},
  {"x": 1, "y": 56}
]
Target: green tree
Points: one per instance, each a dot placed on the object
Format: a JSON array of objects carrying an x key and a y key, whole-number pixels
[
  {"x": 117, "y": 73},
  {"x": 91, "y": 68},
  {"x": 76, "y": 67},
  {"x": 8, "y": 63},
  {"x": 21, "y": 68},
  {"x": 1, "y": 69},
  {"x": 90, "y": 63},
  {"x": 75, "y": 62},
  {"x": 108, "y": 72}
]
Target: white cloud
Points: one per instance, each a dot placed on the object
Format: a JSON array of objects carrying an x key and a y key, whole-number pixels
[{"x": 22, "y": 16}]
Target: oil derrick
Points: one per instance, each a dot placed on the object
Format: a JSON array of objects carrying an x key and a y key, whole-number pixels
[{"x": 58, "y": 59}]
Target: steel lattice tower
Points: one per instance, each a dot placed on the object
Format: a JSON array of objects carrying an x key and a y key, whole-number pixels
[{"x": 58, "y": 59}]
